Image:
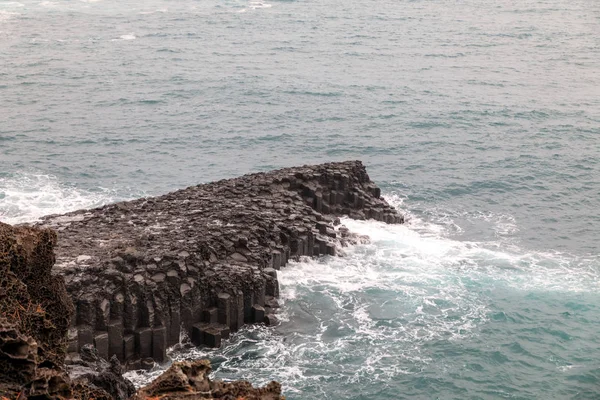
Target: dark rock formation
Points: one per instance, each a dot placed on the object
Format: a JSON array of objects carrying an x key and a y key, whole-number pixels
[
  {"x": 35, "y": 312},
  {"x": 205, "y": 258},
  {"x": 33, "y": 335},
  {"x": 189, "y": 380},
  {"x": 90, "y": 370}
]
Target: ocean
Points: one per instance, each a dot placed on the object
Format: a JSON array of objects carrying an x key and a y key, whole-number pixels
[{"x": 480, "y": 120}]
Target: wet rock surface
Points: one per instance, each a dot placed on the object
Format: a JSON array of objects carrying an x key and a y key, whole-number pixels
[{"x": 203, "y": 260}]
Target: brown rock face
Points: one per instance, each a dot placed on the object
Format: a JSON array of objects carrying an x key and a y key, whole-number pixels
[
  {"x": 189, "y": 380},
  {"x": 203, "y": 258},
  {"x": 35, "y": 311},
  {"x": 30, "y": 296}
]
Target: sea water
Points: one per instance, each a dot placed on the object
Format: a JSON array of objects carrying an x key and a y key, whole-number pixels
[{"x": 480, "y": 120}]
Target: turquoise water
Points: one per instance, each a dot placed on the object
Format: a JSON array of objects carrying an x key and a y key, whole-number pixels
[{"x": 480, "y": 120}]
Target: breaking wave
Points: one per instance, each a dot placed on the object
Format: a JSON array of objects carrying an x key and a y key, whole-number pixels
[
  {"x": 396, "y": 310},
  {"x": 26, "y": 197}
]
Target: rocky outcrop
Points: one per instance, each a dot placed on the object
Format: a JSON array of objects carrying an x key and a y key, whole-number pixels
[
  {"x": 35, "y": 312},
  {"x": 201, "y": 261},
  {"x": 92, "y": 371},
  {"x": 34, "y": 315},
  {"x": 189, "y": 380}
]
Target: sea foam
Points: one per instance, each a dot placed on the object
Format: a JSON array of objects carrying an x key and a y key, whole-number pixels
[
  {"x": 26, "y": 197},
  {"x": 387, "y": 309}
]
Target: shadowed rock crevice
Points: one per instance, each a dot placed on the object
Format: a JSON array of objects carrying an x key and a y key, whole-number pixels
[{"x": 202, "y": 260}]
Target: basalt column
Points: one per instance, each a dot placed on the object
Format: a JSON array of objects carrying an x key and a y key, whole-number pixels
[{"x": 203, "y": 260}]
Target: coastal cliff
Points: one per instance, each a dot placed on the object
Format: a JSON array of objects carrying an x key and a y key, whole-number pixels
[
  {"x": 131, "y": 278},
  {"x": 201, "y": 261},
  {"x": 34, "y": 315},
  {"x": 35, "y": 311}
]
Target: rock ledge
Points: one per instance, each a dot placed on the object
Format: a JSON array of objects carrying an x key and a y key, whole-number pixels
[{"x": 201, "y": 261}]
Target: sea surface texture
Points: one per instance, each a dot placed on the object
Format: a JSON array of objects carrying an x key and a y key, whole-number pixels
[{"x": 479, "y": 119}]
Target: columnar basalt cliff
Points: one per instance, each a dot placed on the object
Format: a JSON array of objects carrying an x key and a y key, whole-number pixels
[
  {"x": 203, "y": 259},
  {"x": 34, "y": 317},
  {"x": 35, "y": 312}
]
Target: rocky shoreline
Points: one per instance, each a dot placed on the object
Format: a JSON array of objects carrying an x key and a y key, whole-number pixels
[{"x": 199, "y": 262}]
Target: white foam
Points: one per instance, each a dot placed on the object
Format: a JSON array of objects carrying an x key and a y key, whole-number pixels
[
  {"x": 6, "y": 15},
  {"x": 429, "y": 282},
  {"x": 160, "y": 10},
  {"x": 258, "y": 5},
  {"x": 407, "y": 287},
  {"x": 499, "y": 259},
  {"x": 504, "y": 224},
  {"x": 49, "y": 4},
  {"x": 8, "y": 10},
  {"x": 11, "y": 4},
  {"x": 142, "y": 378},
  {"x": 418, "y": 244},
  {"x": 426, "y": 292},
  {"x": 28, "y": 197},
  {"x": 125, "y": 37}
]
